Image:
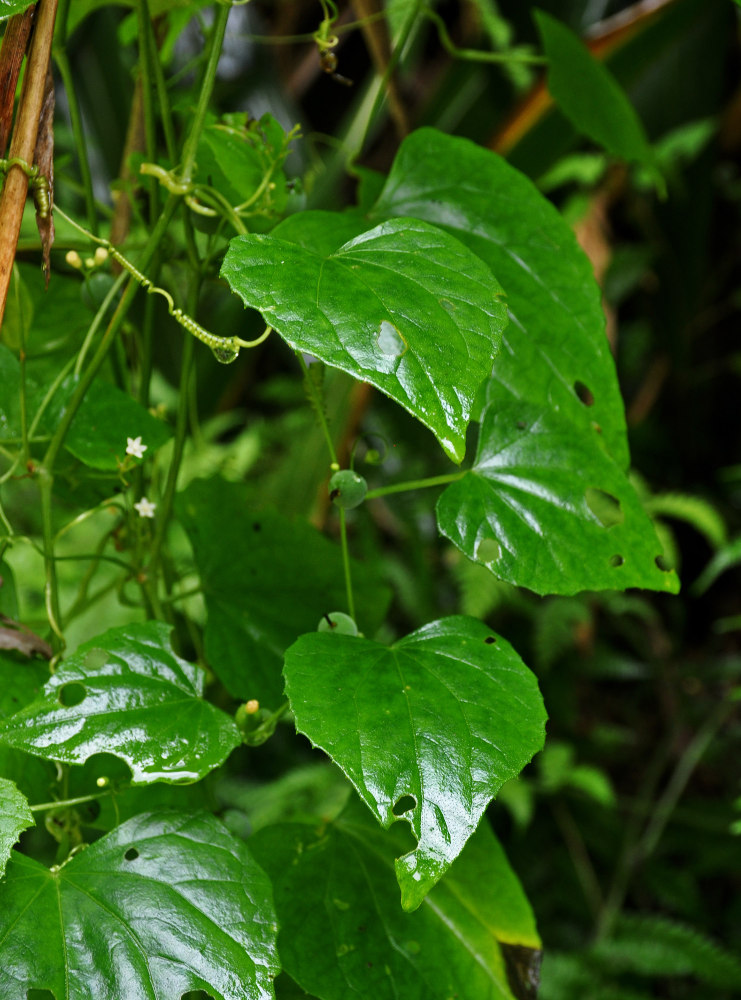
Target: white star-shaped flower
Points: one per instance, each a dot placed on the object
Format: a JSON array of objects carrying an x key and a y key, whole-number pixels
[
  {"x": 135, "y": 447},
  {"x": 145, "y": 507}
]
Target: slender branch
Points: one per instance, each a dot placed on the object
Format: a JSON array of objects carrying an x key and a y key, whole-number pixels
[
  {"x": 23, "y": 145},
  {"x": 414, "y": 484}
]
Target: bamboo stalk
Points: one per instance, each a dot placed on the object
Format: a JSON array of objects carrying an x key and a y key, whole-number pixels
[{"x": 23, "y": 145}]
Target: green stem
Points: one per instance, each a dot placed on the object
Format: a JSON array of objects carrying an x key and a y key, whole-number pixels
[
  {"x": 346, "y": 564},
  {"x": 387, "y": 74},
  {"x": 479, "y": 55},
  {"x": 64, "y": 803},
  {"x": 318, "y": 409},
  {"x": 645, "y": 844},
  {"x": 206, "y": 85},
  {"x": 181, "y": 429},
  {"x": 414, "y": 484},
  {"x": 78, "y": 132}
]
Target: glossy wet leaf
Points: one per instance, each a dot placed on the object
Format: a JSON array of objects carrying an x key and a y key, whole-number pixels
[
  {"x": 545, "y": 508},
  {"x": 336, "y": 896},
  {"x": 402, "y": 306},
  {"x": 15, "y": 817},
  {"x": 106, "y": 418},
  {"x": 432, "y": 726},
  {"x": 589, "y": 95},
  {"x": 128, "y": 917},
  {"x": 10, "y": 7},
  {"x": 555, "y": 342},
  {"x": 21, "y": 681},
  {"x": 127, "y": 693},
  {"x": 266, "y": 580}
]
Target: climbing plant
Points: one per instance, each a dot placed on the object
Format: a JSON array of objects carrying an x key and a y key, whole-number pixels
[{"x": 240, "y": 737}]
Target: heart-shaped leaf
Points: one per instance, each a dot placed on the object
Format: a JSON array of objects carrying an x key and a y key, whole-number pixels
[
  {"x": 545, "y": 508},
  {"x": 336, "y": 896},
  {"x": 404, "y": 306},
  {"x": 166, "y": 903},
  {"x": 554, "y": 351},
  {"x": 266, "y": 580},
  {"x": 127, "y": 693},
  {"x": 15, "y": 817},
  {"x": 428, "y": 729}
]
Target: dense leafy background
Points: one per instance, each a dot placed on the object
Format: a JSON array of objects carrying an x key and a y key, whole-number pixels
[{"x": 624, "y": 830}]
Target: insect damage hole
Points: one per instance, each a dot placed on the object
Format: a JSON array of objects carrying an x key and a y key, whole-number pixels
[
  {"x": 40, "y": 995},
  {"x": 71, "y": 694},
  {"x": 663, "y": 563},
  {"x": 616, "y": 560},
  {"x": 490, "y": 640},
  {"x": 131, "y": 855},
  {"x": 404, "y": 805},
  {"x": 605, "y": 507},
  {"x": 584, "y": 393}
]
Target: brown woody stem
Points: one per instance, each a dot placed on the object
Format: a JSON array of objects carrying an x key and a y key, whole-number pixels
[{"x": 23, "y": 145}]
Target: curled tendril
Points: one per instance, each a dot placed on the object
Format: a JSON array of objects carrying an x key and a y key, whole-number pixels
[{"x": 227, "y": 346}]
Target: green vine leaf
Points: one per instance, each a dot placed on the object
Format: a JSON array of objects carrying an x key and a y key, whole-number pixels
[
  {"x": 15, "y": 817},
  {"x": 403, "y": 306},
  {"x": 265, "y": 583},
  {"x": 428, "y": 729},
  {"x": 590, "y": 96},
  {"x": 21, "y": 681},
  {"x": 106, "y": 418},
  {"x": 127, "y": 693},
  {"x": 10, "y": 7},
  {"x": 545, "y": 508},
  {"x": 554, "y": 351},
  {"x": 128, "y": 917},
  {"x": 336, "y": 896}
]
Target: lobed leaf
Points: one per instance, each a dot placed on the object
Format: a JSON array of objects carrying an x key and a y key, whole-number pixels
[
  {"x": 127, "y": 693},
  {"x": 545, "y": 508},
  {"x": 128, "y": 917},
  {"x": 428, "y": 729},
  {"x": 403, "y": 306}
]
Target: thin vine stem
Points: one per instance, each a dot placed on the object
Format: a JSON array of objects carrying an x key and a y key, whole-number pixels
[
  {"x": 65, "y": 803},
  {"x": 414, "y": 484}
]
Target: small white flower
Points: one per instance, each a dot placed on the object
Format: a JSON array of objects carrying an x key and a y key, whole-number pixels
[
  {"x": 145, "y": 507},
  {"x": 135, "y": 447}
]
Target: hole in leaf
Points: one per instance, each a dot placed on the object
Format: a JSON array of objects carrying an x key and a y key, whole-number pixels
[
  {"x": 404, "y": 805},
  {"x": 132, "y": 854},
  {"x": 40, "y": 995},
  {"x": 403, "y": 837},
  {"x": 390, "y": 341},
  {"x": 488, "y": 551},
  {"x": 71, "y": 694},
  {"x": 95, "y": 659},
  {"x": 196, "y": 995},
  {"x": 663, "y": 563},
  {"x": 490, "y": 640},
  {"x": 605, "y": 507},
  {"x": 521, "y": 425},
  {"x": 584, "y": 393},
  {"x": 616, "y": 560}
]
